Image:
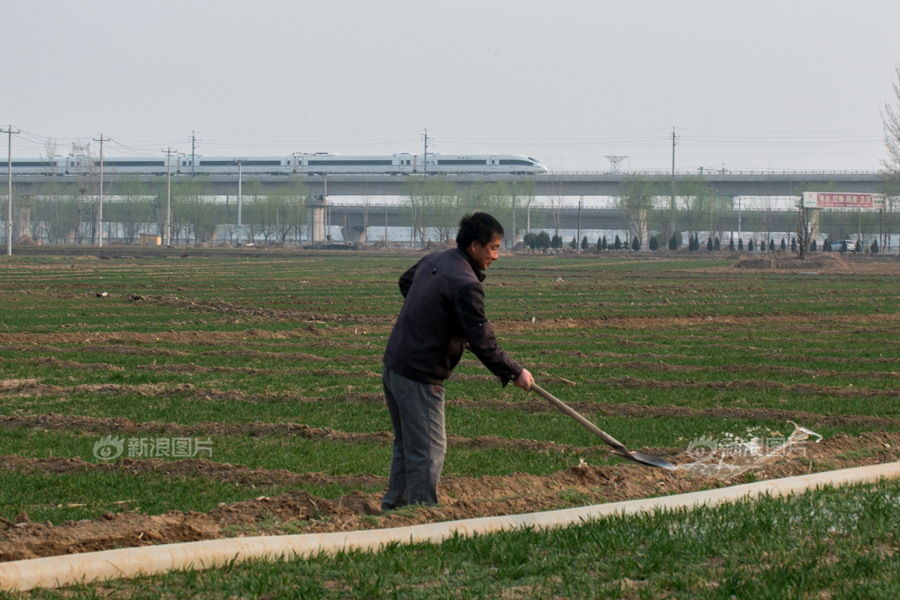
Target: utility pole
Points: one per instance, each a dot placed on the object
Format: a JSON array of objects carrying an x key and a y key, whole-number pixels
[
  {"x": 240, "y": 230},
  {"x": 672, "y": 200},
  {"x": 100, "y": 204},
  {"x": 425, "y": 166},
  {"x": 193, "y": 151},
  {"x": 9, "y": 227},
  {"x": 168, "y": 228}
]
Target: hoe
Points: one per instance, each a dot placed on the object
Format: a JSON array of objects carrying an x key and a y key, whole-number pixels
[{"x": 620, "y": 449}]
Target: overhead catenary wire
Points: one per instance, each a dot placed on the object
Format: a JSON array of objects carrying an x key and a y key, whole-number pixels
[
  {"x": 646, "y": 147},
  {"x": 138, "y": 143}
]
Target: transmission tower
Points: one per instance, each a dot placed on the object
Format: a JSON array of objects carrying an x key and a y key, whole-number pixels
[{"x": 614, "y": 162}]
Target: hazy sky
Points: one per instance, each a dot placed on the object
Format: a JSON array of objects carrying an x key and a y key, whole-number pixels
[{"x": 751, "y": 84}]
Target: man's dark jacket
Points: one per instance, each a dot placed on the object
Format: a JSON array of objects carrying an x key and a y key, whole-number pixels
[{"x": 444, "y": 310}]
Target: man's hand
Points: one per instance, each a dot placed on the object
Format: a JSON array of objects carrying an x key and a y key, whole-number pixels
[{"x": 524, "y": 380}]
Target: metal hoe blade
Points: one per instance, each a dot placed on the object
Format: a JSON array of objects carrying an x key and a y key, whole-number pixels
[{"x": 618, "y": 446}]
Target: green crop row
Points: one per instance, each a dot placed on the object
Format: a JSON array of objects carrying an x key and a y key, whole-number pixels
[{"x": 205, "y": 346}]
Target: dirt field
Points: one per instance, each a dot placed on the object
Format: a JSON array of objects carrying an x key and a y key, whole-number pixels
[{"x": 461, "y": 497}]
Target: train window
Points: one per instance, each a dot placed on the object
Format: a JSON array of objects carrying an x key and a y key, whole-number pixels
[
  {"x": 460, "y": 161},
  {"x": 350, "y": 163},
  {"x": 134, "y": 163},
  {"x": 246, "y": 163}
]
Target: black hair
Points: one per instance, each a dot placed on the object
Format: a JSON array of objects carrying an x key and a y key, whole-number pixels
[{"x": 478, "y": 227}]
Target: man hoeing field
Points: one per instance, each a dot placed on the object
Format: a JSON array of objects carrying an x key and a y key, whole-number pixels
[{"x": 442, "y": 315}]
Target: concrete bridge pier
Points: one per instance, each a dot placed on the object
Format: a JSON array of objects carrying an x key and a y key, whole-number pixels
[{"x": 318, "y": 205}]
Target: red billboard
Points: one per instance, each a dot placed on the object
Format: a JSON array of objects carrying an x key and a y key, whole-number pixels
[{"x": 843, "y": 200}]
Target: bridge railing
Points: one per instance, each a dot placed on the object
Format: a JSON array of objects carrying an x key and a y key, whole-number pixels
[{"x": 716, "y": 172}]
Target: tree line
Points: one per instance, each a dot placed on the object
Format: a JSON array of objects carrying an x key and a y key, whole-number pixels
[
  {"x": 436, "y": 204},
  {"x": 657, "y": 212},
  {"x": 64, "y": 212}
]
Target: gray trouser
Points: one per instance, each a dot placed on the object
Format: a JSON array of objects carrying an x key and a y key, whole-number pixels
[{"x": 420, "y": 440}]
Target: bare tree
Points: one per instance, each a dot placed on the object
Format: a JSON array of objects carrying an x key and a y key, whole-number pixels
[
  {"x": 290, "y": 209},
  {"x": 638, "y": 203},
  {"x": 523, "y": 196},
  {"x": 494, "y": 198},
  {"x": 698, "y": 202},
  {"x": 197, "y": 212},
  {"x": 891, "y": 211},
  {"x": 414, "y": 191},
  {"x": 803, "y": 230},
  {"x": 134, "y": 208},
  {"x": 890, "y": 119},
  {"x": 556, "y": 200},
  {"x": 254, "y": 212},
  {"x": 83, "y": 167},
  {"x": 767, "y": 216},
  {"x": 441, "y": 203},
  {"x": 53, "y": 212}
]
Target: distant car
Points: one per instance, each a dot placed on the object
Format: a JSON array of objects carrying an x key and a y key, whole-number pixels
[{"x": 837, "y": 245}]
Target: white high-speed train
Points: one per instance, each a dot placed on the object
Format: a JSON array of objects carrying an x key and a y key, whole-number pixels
[{"x": 298, "y": 163}]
